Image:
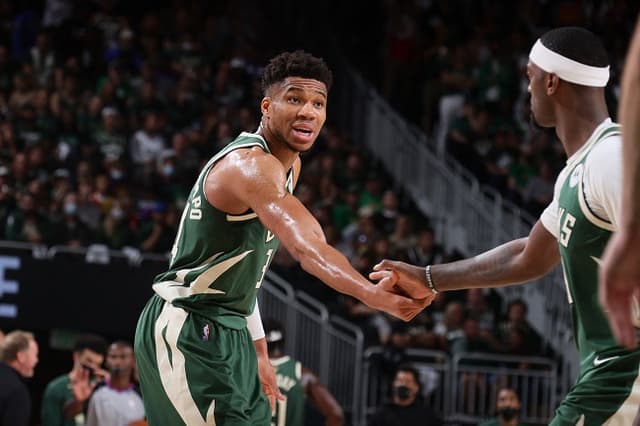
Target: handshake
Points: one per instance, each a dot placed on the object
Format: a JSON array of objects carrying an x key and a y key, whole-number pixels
[{"x": 402, "y": 290}]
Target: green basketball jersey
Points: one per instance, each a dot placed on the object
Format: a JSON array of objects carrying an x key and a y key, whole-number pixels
[
  {"x": 582, "y": 238},
  {"x": 218, "y": 260},
  {"x": 289, "y": 412}
]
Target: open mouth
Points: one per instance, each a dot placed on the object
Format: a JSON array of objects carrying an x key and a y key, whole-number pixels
[{"x": 306, "y": 132}]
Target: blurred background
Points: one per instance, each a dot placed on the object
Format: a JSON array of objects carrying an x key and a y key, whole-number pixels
[{"x": 109, "y": 108}]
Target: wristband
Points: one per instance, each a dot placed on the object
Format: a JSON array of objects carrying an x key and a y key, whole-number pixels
[{"x": 430, "y": 282}]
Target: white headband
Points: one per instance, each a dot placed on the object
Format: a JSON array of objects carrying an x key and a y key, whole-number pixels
[{"x": 568, "y": 69}]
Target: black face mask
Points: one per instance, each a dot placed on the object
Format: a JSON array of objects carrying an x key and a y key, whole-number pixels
[
  {"x": 402, "y": 392},
  {"x": 508, "y": 413}
]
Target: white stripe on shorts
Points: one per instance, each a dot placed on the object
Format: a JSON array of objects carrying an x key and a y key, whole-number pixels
[
  {"x": 629, "y": 408},
  {"x": 174, "y": 374}
]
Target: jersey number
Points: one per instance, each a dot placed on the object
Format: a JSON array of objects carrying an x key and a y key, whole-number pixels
[
  {"x": 264, "y": 268},
  {"x": 567, "y": 229}
]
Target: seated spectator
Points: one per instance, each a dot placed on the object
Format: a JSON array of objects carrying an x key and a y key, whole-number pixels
[
  {"x": 538, "y": 192},
  {"x": 117, "y": 400},
  {"x": 70, "y": 230},
  {"x": 26, "y": 223},
  {"x": 507, "y": 409},
  {"x": 406, "y": 406},
  {"x": 478, "y": 308},
  {"x": 451, "y": 328},
  {"x": 146, "y": 146},
  {"x": 426, "y": 251},
  {"x": 516, "y": 334},
  {"x": 64, "y": 398}
]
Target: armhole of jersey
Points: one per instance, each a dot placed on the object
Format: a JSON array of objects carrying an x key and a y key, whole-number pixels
[
  {"x": 224, "y": 152},
  {"x": 582, "y": 196}
]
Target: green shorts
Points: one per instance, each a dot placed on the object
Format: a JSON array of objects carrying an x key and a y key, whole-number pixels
[
  {"x": 196, "y": 372},
  {"x": 606, "y": 393}
]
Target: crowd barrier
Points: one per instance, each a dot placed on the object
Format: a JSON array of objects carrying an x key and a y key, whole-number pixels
[{"x": 463, "y": 388}]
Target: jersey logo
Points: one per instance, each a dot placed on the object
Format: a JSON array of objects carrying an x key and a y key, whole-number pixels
[
  {"x": 270, "y": 236},
  {"x": 576, "y": 175},
  {"x": 206, "y": 332},
  {"x": 598, "y": 361},
  {"x": 597, "y": 260}
]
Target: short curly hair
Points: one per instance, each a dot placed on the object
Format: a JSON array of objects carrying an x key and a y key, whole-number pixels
[{"x": 295, "y": 64}]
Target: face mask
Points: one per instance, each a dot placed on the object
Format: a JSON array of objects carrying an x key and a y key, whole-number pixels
[
  {"x": 70, "y": 208},
  {"x": 116, "y": 174},
  {"x": 507, "y": 413},
  {"x": 167, "y": 170},
  {"x": 117, "y": 213},
  {"x": 402, "y": 392}
]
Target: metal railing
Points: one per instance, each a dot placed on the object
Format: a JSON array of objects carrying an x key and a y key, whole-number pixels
[
  {"x": 478, "y": 377},
  {"x": 464, "y": 388},
  {"x": 326, "y": 344}
]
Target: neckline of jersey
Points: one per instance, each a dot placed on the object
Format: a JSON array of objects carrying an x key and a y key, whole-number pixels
[{"x": 602, "y": 127}]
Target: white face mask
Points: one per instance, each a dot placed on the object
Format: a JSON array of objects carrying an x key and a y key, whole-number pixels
[
  {"x": 168, "y": 170},
  {"x": 117, "y": 213},
  {"x": 70, "y": 209}
]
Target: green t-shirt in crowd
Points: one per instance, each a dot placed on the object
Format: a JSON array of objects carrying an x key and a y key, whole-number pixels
[{"x": 56, "y": 395}]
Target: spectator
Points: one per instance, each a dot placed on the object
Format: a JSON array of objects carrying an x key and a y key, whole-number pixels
[
  {"x": 406, "y": 406},
  {"x": 26, "y": 223},
  {"x": 516, "y": 333},
  {"x": 478, "y": 308},
  {"x": 117, "y": 400},
  {"x": 63, "y": 402},
  {"x": 426, "y": 251},
  {"x": 507, "y": 409},
  {"x": 18, "y": 359},
  {"x": 297, "y": 382},
  {"x": 146, "y": 146},
  {"x": 69, "y": 230},
  {"x": 451, "y": 328}
]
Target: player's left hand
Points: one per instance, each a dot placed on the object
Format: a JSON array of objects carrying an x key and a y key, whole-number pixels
[
  {"x": 406, "y": 279},
  {"x": 270, "y": 388}
]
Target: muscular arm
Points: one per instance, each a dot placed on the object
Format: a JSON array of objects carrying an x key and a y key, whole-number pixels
[
  {"x": 322, "y": 399},
  {"x": 619, "y": 274},
  {"x": 629, "y": 111},
  {"x": 515, "y": 262},
  {"x": 253, "y": 179}
]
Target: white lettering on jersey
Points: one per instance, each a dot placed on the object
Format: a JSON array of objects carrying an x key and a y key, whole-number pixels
[
  {"x": 196, "y": 213},
  {"x": 270, "y": 236}
]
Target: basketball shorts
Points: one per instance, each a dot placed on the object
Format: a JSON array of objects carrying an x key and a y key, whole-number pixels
[
  {"x": 196, "y": 372},
  {"x": 606, "y": 393}
]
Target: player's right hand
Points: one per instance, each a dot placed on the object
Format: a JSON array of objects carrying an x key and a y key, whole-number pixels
[{"x": 386, "y": 296}]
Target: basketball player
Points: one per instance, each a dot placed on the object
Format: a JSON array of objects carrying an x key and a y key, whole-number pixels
[
  {"x": 197, "y": 362},
  {"x": 620, "y": 272},
  {"x": 567, "y": 70},
  {"x": 298, "y": 384}
]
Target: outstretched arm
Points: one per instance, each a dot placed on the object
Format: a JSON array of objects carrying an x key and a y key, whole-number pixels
[
  {"x": 322, "y": 399},
  {"x": 251, "y": 178},
  {"x": 620, "y": 272},
  {"x": 517, "y": 261}
]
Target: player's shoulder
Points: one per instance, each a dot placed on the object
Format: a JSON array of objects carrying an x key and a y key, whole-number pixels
[{"x": 607, "y": 149}]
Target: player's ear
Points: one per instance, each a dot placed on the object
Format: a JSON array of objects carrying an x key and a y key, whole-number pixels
[
  {"x": 264, "y": 106},
  {"x": 552, "y": 81}
]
